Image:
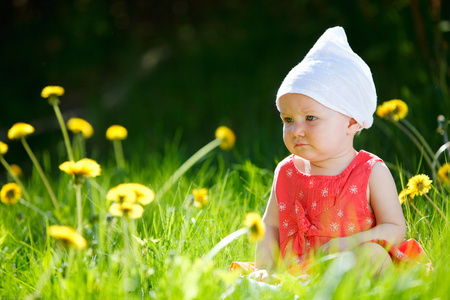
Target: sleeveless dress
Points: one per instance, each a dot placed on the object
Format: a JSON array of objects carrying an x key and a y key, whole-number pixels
[{"x": 315, "y": 208}]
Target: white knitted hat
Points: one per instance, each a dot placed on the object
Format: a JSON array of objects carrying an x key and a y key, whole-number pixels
[{"x": 335, "y": 76}]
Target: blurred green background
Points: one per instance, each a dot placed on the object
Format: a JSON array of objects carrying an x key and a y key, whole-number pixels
[{"x": 178, "y": 69}]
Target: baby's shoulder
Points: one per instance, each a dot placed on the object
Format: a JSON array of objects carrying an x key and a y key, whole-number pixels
[
  {"x": 364, "y": 162},
  {"x": 290, "y": 162},
  {"x": 284, "y": 163},
  {"x": 379, "y": 170},
  {"x": 367, "y": 157}
]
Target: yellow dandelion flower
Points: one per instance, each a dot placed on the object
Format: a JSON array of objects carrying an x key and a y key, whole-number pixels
[
  {"x": 52, "y": 90},
  {"x": 419, "y": 185},
  {"x": 116, "y": 132},
  {"x": 131, "y": 210},
  {"x": 227, "y": 136},
  {"x": 85, "y": 167},
  {"x": 20, "y": 130},
  {"x": 200, "y": 197},
  {"x": 68, "y": 235},
  {"x": 404, "y": 195},
  {"x": 395, "y": 109},
  {"x": 77, "y": 125},
  {"x": 131, "y": 192},
  {"x": 10, "y": 193},
  {"x": 116, "y": 210},
  {"x": 256, "y": 226},
  {"x": 382, "y": 111},
  {"x": 3, "y": 148},
  {"x": 16, "y": 170},
  {"x": 80, "y": 170},
  {"x": 444, "y": 173},
  {"x": 144, "y": 195},
  {"x": 121, "y": 193}
]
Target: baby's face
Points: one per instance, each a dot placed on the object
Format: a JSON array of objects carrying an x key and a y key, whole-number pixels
[{"x": 311, "y": 130}]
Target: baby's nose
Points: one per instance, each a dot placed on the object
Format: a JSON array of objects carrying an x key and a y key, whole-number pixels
[{"x": 298, "y": 129}]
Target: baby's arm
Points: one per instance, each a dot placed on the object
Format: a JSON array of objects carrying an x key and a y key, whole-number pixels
[
  {"x": 267, "y": 250},
  {"x": 388, "y": 214}
]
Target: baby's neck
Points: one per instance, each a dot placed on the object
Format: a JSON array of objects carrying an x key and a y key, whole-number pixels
[{"x": 330, "y": 167}]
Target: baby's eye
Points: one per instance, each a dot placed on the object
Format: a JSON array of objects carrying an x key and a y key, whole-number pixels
[
  {"x": 310, "y": 118},
  {"x": 288, "y": 120}
]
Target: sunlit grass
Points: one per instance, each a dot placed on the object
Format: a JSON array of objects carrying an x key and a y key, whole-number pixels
[
  {"x": 165, "y": 270},
  {"x": 181, "y": 243}
]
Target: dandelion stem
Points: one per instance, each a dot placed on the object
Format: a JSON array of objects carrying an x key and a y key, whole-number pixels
[
  {"x": 126, "y": 245},
  {"x": 442, "y": 128},
  {"x": 136, "y": 256},
  {"x": 15, "y": 178},
  {"x": 187, "y": 165},
  {"x": 91, "y": 201},
  {"x": 224, "y": 242},
  {"x": 418, "y": 145},
  {"x": 419, "y": 136},
  {"x": 441, "y": 149},
  {"x": 118, "y": 151},
  {"x": 435, "y": 206},
  {"x": 420, "y": 214},
  {"x": 79, "y": 209},
  {"x": 41, "y": 173},
  {"x": 133, "y": 243},
  {"x": 129, "y": 256},
  {"x": 79, "y": 148},
  {"x": 64, "y": 130}
]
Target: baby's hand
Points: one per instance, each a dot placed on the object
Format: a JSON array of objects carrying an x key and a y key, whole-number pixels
[
  {"x": 260, "y": 275},
  {"x": 339, "y": 245}
]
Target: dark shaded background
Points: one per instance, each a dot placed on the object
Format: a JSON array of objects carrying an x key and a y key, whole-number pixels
[{"x": 161, "y": 68}]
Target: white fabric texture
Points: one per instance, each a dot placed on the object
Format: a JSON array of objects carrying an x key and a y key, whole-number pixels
[{"x": 335, "y": 76}]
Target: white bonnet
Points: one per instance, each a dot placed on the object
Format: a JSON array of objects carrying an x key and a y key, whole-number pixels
[{"x": 335, "y": 76}]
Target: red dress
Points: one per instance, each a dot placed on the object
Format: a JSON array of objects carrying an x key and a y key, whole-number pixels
[{"x": 315, "y": 208}]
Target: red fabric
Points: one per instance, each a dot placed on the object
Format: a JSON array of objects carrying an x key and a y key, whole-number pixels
[
  {"x": 314, "y": 209},
  {"x": 408, "y": 251}
]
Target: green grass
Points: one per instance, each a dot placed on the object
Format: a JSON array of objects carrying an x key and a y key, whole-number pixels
[{"x": 163, "y": 260}]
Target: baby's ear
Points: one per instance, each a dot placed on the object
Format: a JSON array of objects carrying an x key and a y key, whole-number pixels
[{"x": 353, "y": 127}]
